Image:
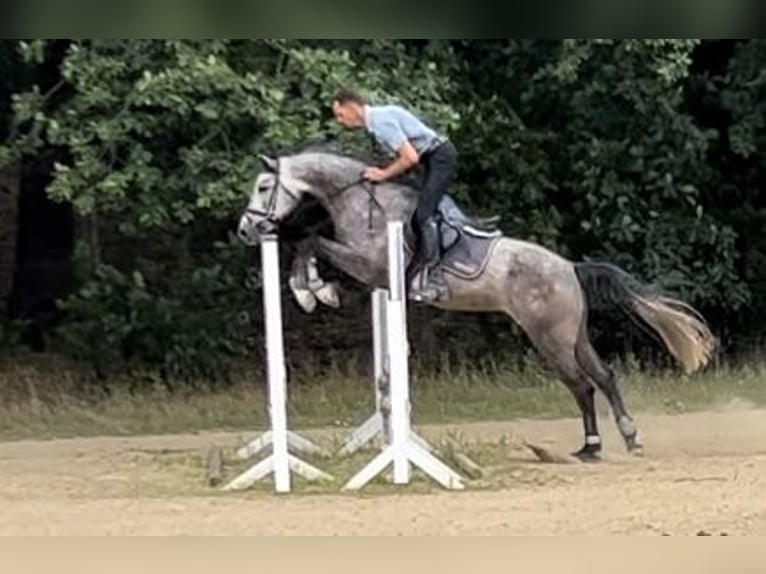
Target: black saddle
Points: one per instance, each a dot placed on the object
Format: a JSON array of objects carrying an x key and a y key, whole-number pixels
[
  {"x": 453, "y": 222},
  {"x": 466, "y": 242}
]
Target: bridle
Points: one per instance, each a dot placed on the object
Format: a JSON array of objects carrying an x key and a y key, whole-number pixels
[{"x": 271, "y": 204}]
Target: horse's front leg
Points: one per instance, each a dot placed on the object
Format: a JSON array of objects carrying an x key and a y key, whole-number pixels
[
  {"x": 326, "y": 293},
  {"x": 306, "y": 284},
  {"x": 299, "y": 278}
]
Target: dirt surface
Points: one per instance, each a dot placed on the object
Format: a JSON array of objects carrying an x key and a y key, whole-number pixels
[{"x": 701, "y": 472}]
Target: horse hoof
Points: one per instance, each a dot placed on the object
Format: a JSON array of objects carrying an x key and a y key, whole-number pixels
[
  {"x": 634, "y": 447},
  {"x": 587, "y": 454},
  {"x": 304, "y": 297},
  {"x": 636, "y": 450},
  {"x": 328, "y": 295},
  {"x": 307, "y": 301}
]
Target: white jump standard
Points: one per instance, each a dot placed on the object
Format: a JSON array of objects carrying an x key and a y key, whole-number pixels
[
  {"x": 403, "y": 447},
  {"x": 379, "y": 424},
  {"x": 280, "y": 461}
]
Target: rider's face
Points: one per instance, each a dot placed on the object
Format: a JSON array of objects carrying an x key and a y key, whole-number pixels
[{"x": 349, "y": 115}]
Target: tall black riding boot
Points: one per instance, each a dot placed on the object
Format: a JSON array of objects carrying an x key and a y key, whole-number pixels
[{"x": 432, "y": 286}]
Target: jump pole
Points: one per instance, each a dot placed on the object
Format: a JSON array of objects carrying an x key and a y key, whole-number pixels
[
  {"x": 403, "y": 448},
  {"x": 280, "y": 462}
]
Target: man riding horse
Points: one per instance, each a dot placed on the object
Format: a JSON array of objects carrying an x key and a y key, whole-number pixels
[
  {"x": 548, "y": 295},
  {"x": 414, "y": 143}
]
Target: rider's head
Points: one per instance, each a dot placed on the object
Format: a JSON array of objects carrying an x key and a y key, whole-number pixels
[{"x": 348, "y": 108}]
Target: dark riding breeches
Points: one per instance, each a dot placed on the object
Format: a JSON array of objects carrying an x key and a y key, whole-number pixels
[{"x": 439, "y": 169}]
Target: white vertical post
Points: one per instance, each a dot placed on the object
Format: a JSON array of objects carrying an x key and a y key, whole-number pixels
[
  {"x": 280, "y": 462},
  {"x": 396, "y": 318},
  {"x": 272, "y": 303},
  {"x": 379, "y": 343},
  {"x": 378, "y": 422},
  {"x": 381, "y": 365}
]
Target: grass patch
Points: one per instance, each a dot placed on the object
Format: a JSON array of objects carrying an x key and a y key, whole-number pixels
[
  {"x": 45, "y": 399},
  {"x": 502, "y": 463},
  {"x": 497, "y": 460}
]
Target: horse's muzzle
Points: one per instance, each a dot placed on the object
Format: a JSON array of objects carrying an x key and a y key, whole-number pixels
[{"x": 251, "y": 230}]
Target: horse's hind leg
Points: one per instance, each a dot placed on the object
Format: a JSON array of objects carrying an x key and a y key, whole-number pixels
[
  {"x": 558, "y": 350},
  {"x": 606, "y": 380}
]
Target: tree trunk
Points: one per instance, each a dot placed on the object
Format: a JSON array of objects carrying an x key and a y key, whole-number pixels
[{"x": 10, "y": 184}]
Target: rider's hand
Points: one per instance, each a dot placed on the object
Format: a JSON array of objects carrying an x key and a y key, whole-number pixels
[{"x": 374, "y": 174}]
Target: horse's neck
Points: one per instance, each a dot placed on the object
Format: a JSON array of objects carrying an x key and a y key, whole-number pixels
[
  {"x": 327, "y": 200},
  {"x": 330, "y": 176},
  {"x": 363, "y": 206},
  {"x": 328, "y": 169},
  {"x": 336, "y": 184}
]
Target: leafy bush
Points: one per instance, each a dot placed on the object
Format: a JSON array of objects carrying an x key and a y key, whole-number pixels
[
  {"x": 646, "y": 153},
  {"x": 187, "y": 331}
]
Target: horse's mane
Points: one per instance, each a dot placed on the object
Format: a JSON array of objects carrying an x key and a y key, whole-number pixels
[
  {"x": 324, "y": 145},
  {"x": 331, "y": 146}
]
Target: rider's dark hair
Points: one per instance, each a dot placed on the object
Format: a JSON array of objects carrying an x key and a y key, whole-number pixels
[{"x": 344, "y": 96}]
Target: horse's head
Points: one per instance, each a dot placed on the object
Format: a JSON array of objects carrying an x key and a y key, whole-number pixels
[
  {"x": 279, "y": 189},
  {"x": 276, "y": 194}
]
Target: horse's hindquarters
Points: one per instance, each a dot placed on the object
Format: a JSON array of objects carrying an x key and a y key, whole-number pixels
[{"x": 520, "y": 279}]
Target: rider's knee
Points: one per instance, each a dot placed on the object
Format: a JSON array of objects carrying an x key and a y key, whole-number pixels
[{"x": 422, "y": 219}]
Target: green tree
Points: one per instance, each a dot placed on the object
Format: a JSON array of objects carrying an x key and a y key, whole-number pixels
[
  {"x": 585, "y": 146},
  {"x": 157, "y": 144}
]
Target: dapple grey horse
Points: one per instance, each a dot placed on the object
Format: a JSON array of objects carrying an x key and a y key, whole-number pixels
[{"x": 547, "y": 295}]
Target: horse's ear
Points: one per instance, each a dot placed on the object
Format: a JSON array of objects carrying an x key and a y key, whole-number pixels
[{"x": 268, "y": 162}]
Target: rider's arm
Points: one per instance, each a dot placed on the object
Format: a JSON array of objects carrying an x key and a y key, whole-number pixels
[
  {"x": 406, "y": 158},
  {"x": 393, "y": 136}
]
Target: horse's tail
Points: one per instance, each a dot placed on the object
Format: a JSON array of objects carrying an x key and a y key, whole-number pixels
[{"x": 682, "y": 329}]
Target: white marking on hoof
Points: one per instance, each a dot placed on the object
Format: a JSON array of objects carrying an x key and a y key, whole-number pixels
[
  {"x": 328, "y": 295},
  {"x": 304, "y": 297},
  {"x": 593, "y": 440}
]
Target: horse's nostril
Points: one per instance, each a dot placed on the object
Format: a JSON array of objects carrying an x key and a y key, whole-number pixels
[{"x": 243, "y": 231}]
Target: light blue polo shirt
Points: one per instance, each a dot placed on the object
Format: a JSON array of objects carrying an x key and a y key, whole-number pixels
[{"x": 392, "y": 125}]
